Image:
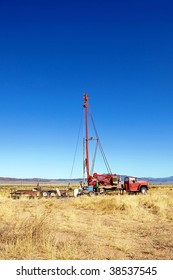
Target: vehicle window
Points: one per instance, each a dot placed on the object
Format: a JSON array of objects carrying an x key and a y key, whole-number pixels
[
  {"x": 132, "y": 180},
  {"x": 126, "y": 179}
]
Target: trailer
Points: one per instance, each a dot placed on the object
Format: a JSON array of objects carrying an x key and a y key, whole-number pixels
[{"x": 39, "y": 193}]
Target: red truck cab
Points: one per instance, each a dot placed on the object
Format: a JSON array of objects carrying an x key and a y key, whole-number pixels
[{"x": 132, "y": 184}]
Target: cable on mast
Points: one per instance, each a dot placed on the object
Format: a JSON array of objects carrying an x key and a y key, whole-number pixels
[
  {"x": 94, "y": 158},
  {"x": 100, "y": 146}
]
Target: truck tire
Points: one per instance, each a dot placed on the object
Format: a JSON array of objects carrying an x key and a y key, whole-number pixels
[
  {"x": 44, "y": 194},
  {"x": 143, "y": 190}
]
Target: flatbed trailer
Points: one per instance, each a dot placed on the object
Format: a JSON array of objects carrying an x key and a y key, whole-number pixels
[{"x": 35, "y": 192}]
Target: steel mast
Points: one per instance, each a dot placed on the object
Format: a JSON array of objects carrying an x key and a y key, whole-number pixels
[{"x": 85, "y": 105}]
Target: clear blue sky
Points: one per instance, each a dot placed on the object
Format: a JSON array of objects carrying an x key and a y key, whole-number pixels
[{"x": 120, "y": 52}]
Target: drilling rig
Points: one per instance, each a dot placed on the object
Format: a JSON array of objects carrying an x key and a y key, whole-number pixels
[
  {"x": 96, "y": 182},
  {"x": 100, "y": 183}
]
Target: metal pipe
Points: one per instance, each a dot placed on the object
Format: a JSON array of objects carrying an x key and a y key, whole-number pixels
[{"x": 85, "y": 105}]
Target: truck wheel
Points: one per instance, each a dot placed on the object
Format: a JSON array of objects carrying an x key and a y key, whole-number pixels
[
  {"x": 45, "y": 194},
  {"x": 143, "y": 190}
]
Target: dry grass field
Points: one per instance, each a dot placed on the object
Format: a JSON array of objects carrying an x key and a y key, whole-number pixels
[{"x": 96, "y": 228}]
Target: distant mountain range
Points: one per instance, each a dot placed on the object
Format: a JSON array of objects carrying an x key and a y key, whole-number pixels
[
  {"x": 10, "y": 180},
  {"x": 6, "y": 180},
  {"x": 164, "y": 180}
]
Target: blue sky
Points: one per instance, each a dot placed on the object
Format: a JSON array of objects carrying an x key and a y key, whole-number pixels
[{"x": 120, "y": 52}]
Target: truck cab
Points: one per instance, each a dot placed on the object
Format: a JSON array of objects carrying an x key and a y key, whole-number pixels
[{"x": 132, "y": 184}]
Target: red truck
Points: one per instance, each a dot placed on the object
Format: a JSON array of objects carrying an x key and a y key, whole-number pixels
[
  {"x": 101, "y": 183},
  {"x": 134, "y": 185}
]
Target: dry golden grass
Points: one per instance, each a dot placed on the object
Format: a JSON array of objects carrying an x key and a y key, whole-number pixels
[{"x": 100, "y": 227}]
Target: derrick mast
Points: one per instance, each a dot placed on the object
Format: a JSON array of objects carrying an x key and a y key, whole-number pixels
[
  {"x": 95, "y": 178},
  {"x": 85, "y": 105}
]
